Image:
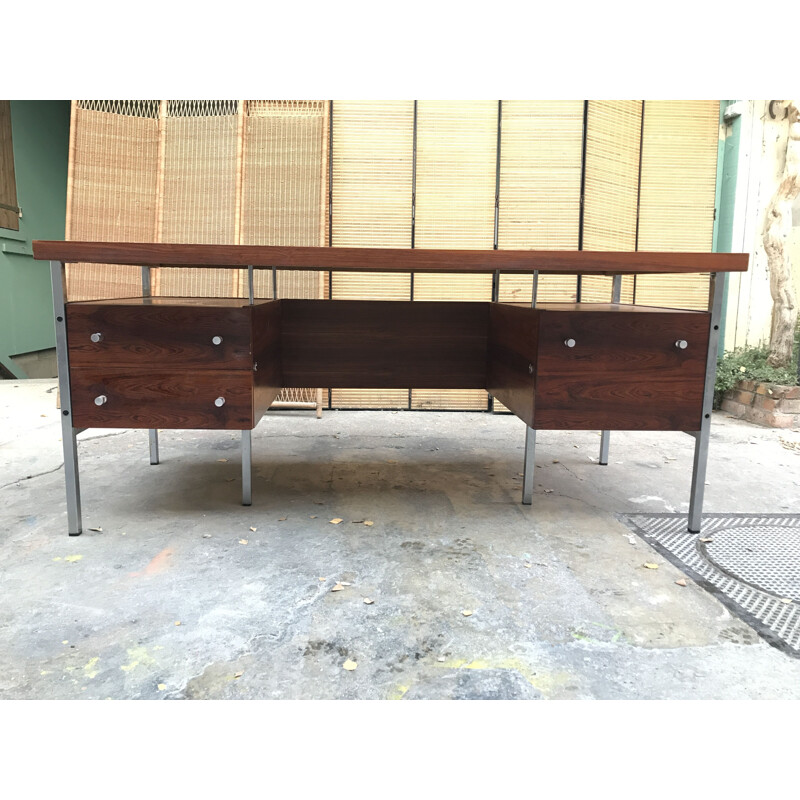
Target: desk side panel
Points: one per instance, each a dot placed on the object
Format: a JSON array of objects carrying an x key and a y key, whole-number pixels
[
  {"x": 512, "y": 356},
  {"x": 360, "y": 344},
  {"x": 266, "y": 333}
]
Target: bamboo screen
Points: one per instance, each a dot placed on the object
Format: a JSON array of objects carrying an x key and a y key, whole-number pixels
[
  {"x": 373, "y": 163},
  {"x": 9, "y": 217},
  {"x": 197, "y": 180},
  {"x": 112, "y": 189},
  {"x": 611, "y": 191},
  {"x": 455, "y": 196},
  {"x": 679, "y": 165},
  {"x": 540, "y": 190}
]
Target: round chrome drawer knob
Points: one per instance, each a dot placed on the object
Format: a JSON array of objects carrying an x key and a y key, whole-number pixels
[
  {"x": 96, "y": 337},
  {"x": 216, "y": 339},
  {"x": 681, "y": 344},
  {"x": 219, "y": 402},
  {"x": 569, "y": 342},
  {"x": 100, "y": 400}
]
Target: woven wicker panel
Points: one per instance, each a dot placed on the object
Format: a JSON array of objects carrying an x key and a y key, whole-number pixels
[
  {"x": 369, "y": 398},
  {"x": 112, "y": 189},
  {"x": 540, "y": 187},
  {"x": 679, "y": 172},
  {"x": 8, "y": 185},
  {"x": 284, "y": 183},
  {"x": 197, "y": 188},
  {"x": 372, "y": 186},
  {"x": 456, "y": 182},
  {"x": 284, "y": 179},
  {"x": 613, "y": 136}
]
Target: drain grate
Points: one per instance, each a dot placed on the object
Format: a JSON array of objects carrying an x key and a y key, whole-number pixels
[{"x": 750, "y": 563}]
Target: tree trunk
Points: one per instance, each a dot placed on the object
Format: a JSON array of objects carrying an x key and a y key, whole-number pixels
[{"x": 777, "y": 227}]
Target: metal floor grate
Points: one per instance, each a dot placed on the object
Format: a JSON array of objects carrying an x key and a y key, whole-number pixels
[{"x": 751, "y": 563}]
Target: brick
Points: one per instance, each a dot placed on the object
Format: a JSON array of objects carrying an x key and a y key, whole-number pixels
[
  {"x": 766, "y": 403},
  {"x": 747, "y": 386},
  {"x": 733, "y": 408},
  {"x": 792, "y": 393},
  {"x": 745, "y": 398},
  {"x": 790, "y": 406}
]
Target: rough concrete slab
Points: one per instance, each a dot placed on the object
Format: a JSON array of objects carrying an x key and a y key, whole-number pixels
[{"x": 561, "y": 604}]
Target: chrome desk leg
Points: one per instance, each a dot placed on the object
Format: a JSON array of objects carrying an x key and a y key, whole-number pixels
[
  {"x": 147, "y": 293},
  {"x": 528, "y": 469},
  {"x": 702, "y": 436},
  {"x": 605, "y": 436},
  {"x": 153, "y": 446},
  {"x": 68, "y": 431},
  {"x": 247, "y": 468}
]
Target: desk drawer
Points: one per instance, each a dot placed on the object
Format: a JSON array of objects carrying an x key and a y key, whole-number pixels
[
  {"x": 624, "y": 371},
  {"x": 135, "y": 334},
  {"x": 162, "y": 398}
]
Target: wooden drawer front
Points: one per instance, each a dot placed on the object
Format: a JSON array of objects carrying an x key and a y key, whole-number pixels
[
  {"x": 624, "y": 372},
  {"x": 159, "y": 335},
  {"x": 162, "y": 399}
]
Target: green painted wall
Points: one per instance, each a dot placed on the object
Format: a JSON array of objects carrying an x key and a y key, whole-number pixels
[
  {"x": 40, "y": 133},
  {"x": 727, "y": 166}
]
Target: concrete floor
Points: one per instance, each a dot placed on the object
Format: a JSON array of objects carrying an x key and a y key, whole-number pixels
[{"x": 177, "y": 596}]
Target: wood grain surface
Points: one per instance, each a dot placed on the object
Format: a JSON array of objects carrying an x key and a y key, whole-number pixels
[
  {"x": 512, "y": 357},
  {"x": 387, "y": 259},
  {"x": 624, "y": 372},
  {"x": 178, "y": 336},
  {"x": 356, "y": 344},
  {"x": 140, "y": 398}
]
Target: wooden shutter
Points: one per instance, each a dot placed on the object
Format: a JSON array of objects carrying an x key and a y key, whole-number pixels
[
  {"x": 9, "y": 213},
  {"x": 372, "y": 186},
  {"x": 613, "y": 136},
  {"x": 456, "y": 182},
  {"x": 540, "y": 187},
  {"x": 676, "y": 212}
]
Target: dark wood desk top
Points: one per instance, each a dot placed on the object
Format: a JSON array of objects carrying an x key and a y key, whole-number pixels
[{"x": 370, "y": 259}]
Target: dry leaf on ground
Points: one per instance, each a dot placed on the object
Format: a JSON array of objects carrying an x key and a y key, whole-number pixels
[
  {"x": 368, "y": 601},
  {"x": 349, "y": 665},
  {"x": 335, "y": 521},
  {"x": 238, "y": 674},
  {"x": 222, "y": 460},
  {"x": 681, "y": 581},
  {"x": 162, "y": 686},
  {"x": 466, "y": 612},
  {"x": 368, "y": 522},
  {"x": 338, "y": 588},
  {"x": 253, "y": 529},
  {"x": 242, "y": 541},
  {"x": 650, "y": 565}
]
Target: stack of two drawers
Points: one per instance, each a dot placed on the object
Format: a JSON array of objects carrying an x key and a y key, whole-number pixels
[{"x": 170, "y": 362}]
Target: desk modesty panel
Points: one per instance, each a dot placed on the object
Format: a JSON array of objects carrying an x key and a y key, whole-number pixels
[{"x": 177, "y": 362}]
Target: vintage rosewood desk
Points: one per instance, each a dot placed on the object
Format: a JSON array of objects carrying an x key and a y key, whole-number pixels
[{"x": 175, "y": 362}]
